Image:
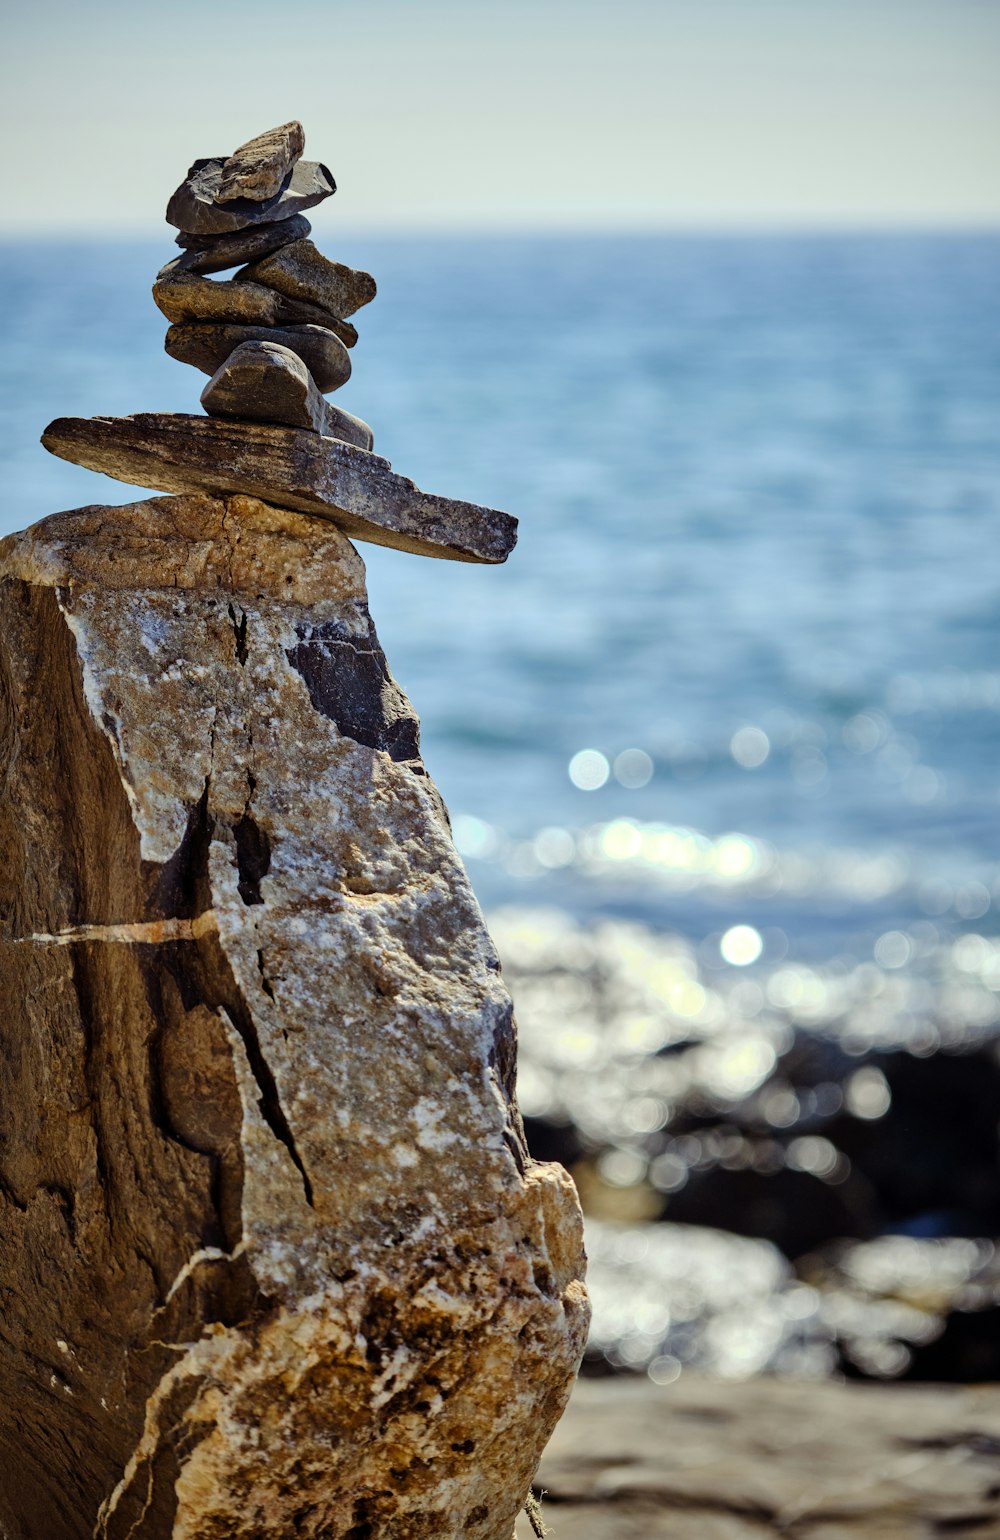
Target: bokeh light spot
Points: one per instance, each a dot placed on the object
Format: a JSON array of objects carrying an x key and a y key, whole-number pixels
[
  {"x": 589, "y": 770},
  {"x": 750, "y": 747},
  {"x": 741, "y": 945}
]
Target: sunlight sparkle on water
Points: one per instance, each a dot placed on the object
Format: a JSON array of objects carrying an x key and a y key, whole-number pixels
[
  {"x": 741, "y": 945},
  {"x": 589, "y": 770}
]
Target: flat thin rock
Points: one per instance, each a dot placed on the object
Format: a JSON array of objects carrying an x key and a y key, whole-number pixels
[
  {"x": 263, "y": 382},
  {"x": 360, "y": 492},
  {"x": 214, "y": 253},
  {"x": 193, "y": 207},
  {"x": 206, "y": 347},
  {"x": 260, "y": 168},
  {"x": 186, "y": 296},
  {"x": 301, "y": 272}
]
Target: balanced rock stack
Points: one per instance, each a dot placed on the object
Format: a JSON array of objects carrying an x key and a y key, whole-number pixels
[
  {"x": 276, "y": 336},
  {"x": 274, "y": 1259},
  {"x": 274, "y": 339}
]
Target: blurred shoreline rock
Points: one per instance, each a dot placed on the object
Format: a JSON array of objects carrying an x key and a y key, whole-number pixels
[
  {"x": 841, "y": 1122},
  {"x": 713, "y": 1460}
]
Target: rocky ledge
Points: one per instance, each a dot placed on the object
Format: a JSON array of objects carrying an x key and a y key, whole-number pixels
[
  {"x": 772, "y": 1460},
  {"x": 273, "y": 1256}
]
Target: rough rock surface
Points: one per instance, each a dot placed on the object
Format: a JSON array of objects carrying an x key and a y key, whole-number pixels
[
  {"x": 185, "y": 296},
  {"x": 273, "y": 1259},
  {"x": 206, "y": 345},
  {"x": 302, "y": 273},
  {"x": 360, "y": 492},
  {"x": 214, "y": 253},
  {"x": 258, "y": 168},
  {"x": 263, "y": 382},
  {"x": 193, "y": 207},
  {"x": 773, "y": 1460}
]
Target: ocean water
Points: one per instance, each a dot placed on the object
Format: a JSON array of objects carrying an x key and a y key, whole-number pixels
[
  {"x": 758, "y": 482},
  {"x": 721, "y": 741}
]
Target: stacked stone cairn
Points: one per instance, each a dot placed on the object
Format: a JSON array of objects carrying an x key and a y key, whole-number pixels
[
  {"x": 280, "y": 1263},
  {"x": 275, "y": 337}
]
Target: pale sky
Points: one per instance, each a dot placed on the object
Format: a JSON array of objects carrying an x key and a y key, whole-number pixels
[{"x": 514, "y": 115}]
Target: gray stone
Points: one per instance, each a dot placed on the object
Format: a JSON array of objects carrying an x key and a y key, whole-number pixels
[
  {"x": 214, "y": 253},
  {"x": 263, "y": 382},
  {"x": 301, "y": 272},
  {"x": 360, "y": 492},
  {"x": 185, "y": 296},
  {"x": 206, "y": 346},
  {"x": 259, "y": 168},
  {"x": 193, "y": 207}
]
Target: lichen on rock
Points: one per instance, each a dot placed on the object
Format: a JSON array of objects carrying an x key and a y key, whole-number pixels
[{"x": 256, "y": 1064}]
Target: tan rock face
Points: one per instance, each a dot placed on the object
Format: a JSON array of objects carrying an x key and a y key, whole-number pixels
[{"x": 257, "y": 1065}]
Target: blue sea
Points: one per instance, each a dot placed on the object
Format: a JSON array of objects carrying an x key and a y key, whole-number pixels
[
  {"x": 758, "y": 480},
  {"x": 721, "y": 741}
]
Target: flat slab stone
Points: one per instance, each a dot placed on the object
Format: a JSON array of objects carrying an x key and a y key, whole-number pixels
[
  {"x": 302, "y": 273},
  {"x": 193, "y": 207},
  {"x": 186, "y": 296},
  {"x": 214, "y": 253},
  {"x": 259, "y": 168},
  {"x": 289, "y": 467},
  {"x": 771, "y": 1459},
  {"x": 206, "y": 346},
  {"x": 267, "y": 383}
]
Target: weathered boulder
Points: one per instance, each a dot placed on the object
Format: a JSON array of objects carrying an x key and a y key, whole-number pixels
[
  {"x": 273, "y": 1258},
  {"x": 258, "y": 169},
  {"x": 193, "y": 207},
  {"x": 214, "y": 253},
  {"x": 186, "y": 296},
  {"x": 206, "y": 344},
  {"x": 263, "y": 382},
  {"x": 360, "y": 492},
  {"x": 302, "y": 273}
]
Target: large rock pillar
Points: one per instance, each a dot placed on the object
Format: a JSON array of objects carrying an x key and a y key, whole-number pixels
[{"x": 273, "y": 1258}]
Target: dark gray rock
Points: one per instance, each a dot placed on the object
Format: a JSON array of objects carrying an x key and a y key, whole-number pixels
[
  {"x": 193, "y": 207},
  {"x": 206, "y": 346},
  {"x": 264, "y": 382},
  {"x": 259, "y": 169},
  {"x": 185, "y": 296},
  {"x": 358, "y": 491},
  {"x": 302, "y": 273},
  {"x": 214, "y": 253}
]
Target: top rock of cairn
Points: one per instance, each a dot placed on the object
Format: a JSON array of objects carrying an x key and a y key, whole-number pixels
[{"x": 274, "y": 339}]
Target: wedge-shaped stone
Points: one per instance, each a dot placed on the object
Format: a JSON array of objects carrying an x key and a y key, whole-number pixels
[
  {"x": 360, "y": 492},
  {"x": 303, "y": 273},
  {"x": 205, "y": 346},
  {"x": 185, "y": 296},
  {"x": 258, "y": 168},
  {"x": 266, "y": 383},
  {"x": 193, "y": 207},
  {"x": 214, "y": 253}
]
